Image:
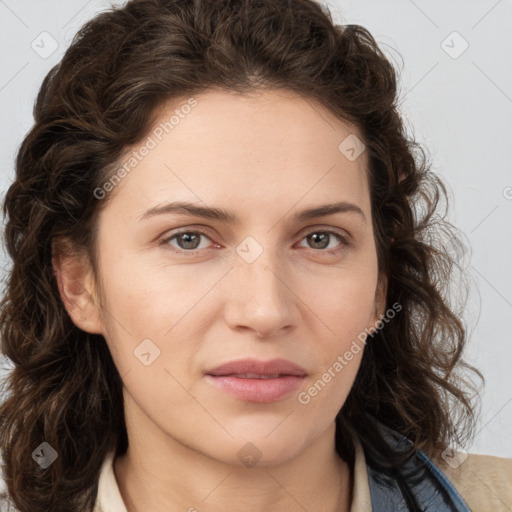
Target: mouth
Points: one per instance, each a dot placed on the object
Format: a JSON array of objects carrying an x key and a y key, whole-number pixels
[
  {"x": 256, "y": 388},
  {"x": 253, "y": 380},
  {"x": 253, "y": 368}
]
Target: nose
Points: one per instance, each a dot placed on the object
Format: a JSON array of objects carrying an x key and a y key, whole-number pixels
[{"x": 260, "y": 297}]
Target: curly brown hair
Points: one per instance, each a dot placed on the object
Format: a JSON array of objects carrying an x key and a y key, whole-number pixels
[{"x": 103, "y": 97}]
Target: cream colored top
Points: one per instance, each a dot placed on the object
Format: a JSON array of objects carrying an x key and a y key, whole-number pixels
[{"x": 483, "y": 481}]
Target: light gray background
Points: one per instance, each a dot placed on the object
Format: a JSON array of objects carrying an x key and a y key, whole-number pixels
[{"x": 459, "y": 106}]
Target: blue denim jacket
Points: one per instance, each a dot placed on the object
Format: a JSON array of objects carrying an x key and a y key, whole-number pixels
[{"x": 419, "y": 485}]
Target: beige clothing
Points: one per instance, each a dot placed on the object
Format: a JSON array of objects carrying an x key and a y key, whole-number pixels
[{"x": 483, "y": 481}]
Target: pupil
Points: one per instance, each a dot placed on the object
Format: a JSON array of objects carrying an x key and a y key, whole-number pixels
[
  {"x": 188, "y": 237},
  {"x": 323, "y": 237}
]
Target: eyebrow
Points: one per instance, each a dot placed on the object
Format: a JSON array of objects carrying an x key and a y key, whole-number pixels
[{"x": 228, "y": 217}]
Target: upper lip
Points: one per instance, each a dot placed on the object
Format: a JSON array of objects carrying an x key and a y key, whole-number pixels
[{"x": 255, "y": 366}]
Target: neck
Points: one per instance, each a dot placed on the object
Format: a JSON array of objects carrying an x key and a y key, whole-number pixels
[{"x": 174, "y": 477}]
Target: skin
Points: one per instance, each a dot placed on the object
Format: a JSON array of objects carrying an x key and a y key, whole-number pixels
[{"x": 264, "y": 156}]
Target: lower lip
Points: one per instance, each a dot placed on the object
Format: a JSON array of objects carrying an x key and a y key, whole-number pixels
[{"x": 256, "y": 390}]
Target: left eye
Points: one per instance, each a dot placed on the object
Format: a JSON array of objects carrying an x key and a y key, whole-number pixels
[
  {"x": 322, "y": 238},
  {"x": 189, "y": 241}
]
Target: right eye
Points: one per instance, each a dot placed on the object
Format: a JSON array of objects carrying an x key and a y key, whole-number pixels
[{"x": 188, "y": 241}]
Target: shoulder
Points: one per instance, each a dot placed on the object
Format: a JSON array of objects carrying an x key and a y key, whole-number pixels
[{"x": 483, "y": 481}]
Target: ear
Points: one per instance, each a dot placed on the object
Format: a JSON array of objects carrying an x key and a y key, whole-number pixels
[
  {"x": 75, "y": 280},
  {"x": 380, "y": 299}
]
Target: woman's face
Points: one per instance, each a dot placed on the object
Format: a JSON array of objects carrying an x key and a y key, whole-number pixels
[{"x": 258, "y": 286}]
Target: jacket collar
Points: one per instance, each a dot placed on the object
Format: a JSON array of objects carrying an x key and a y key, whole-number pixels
[{"x": 417, "y": 485}]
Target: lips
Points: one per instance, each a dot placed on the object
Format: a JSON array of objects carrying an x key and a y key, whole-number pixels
[
  {"x": 256, "y": 369},
  {"x": 252, "y": 380}
]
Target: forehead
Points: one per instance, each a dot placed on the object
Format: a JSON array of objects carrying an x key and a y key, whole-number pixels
[
  {"x": 253, "y": 122},
  {"x": 264, "y": 146}
]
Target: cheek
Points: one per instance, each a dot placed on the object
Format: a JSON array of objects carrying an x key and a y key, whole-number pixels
[
  {"x": 346, "y": 303},
  {"x": 148, "y": 299},
  {"x": 341, "y": 312},
  {"x": 153, "y": 315}
]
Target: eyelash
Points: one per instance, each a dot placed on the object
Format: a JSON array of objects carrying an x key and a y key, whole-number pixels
[{"x": 345, "y": 243}]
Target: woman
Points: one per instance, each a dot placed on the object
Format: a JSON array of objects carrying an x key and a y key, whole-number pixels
[{"x": 227, "y": 291}]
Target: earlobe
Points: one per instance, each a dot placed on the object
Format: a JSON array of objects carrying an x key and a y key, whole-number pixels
[{"x": 76, "y": 286}]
